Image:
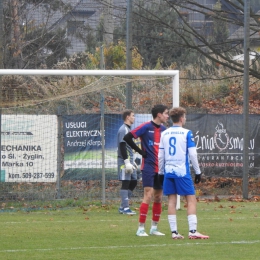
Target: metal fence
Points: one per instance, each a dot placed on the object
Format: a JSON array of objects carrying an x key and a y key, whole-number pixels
[
  {"x": 50, "y": 157},
  {"x": 43, "y": 158},
  {"x": 36, "y": 162}
]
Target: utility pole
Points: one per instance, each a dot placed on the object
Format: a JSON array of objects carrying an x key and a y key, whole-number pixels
[
  {"x": 1, "y": 44},
  {"x": 102, "y": 128},
  {"x": 16, "y": 39},
  {"x": 246, "y": 97},
  {"x": 129, "y": 52},
  {"x": 108, "y": 22},
  {"x": 1, "y": 82}
]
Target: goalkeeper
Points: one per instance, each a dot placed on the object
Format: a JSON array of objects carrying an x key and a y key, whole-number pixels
[{"x": 127, "y": 172}]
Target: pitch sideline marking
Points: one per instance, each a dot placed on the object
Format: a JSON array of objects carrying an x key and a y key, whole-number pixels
[
  {"x": 108, "y": 220},
  {"x": 135, "y": 246}
]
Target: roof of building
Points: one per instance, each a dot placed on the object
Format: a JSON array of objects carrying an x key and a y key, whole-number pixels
[{"x": 254, "y": 30}]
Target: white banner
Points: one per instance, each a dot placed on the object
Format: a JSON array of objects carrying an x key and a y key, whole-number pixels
[
  {"x": 29, "y": 148},
  {"x": 89, "y": 163}
]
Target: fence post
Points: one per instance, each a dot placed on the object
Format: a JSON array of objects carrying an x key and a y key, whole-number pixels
[
  {"x": 129, "y": 51},
  {"x": 246, "y": 97},
  {"x": 103, "y": 151},
  {"x": 59, "y": 148},
  {"x": 1, "y": 177},
  {"x": 1, "y": 83},
  {"x": 102, "y": 110}
]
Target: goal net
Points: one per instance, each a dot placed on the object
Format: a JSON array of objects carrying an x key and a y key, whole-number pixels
[
  {"x": 52, "y": 125},
  {"x": 23, "y": 88}
]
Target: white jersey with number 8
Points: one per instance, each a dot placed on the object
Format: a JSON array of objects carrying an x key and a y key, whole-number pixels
[{"x": 176, "y": 148}]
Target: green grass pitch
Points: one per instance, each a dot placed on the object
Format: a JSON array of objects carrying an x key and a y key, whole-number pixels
[{"x": 96, "y": 232}]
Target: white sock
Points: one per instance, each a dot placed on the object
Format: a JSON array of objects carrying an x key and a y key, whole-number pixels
[
  {"x": 141, "y": 226},
  {"x": 173, "y": 222},
  {"x": 192, "y": 220},
  {"x": 154, "y": 224}
]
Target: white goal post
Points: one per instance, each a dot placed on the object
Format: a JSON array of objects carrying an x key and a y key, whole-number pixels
[{"x": 172, "y": 73}]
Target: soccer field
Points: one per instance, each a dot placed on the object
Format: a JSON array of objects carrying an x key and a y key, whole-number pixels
[{"x": 96, "y": 232}]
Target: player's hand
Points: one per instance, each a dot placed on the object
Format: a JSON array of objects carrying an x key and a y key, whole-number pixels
[
  {"x": 197, "y": 178},
  {"x": 129, "y": 168}
]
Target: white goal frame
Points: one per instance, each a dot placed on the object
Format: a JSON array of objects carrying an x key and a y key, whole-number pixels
[{"x": 173, "y": 73}]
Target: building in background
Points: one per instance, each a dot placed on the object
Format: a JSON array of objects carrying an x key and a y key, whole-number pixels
[
  {"x": 80, "y": 18},
  {"x": 199, "y": 15}
]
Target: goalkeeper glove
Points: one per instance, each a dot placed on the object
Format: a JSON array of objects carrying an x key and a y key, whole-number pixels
[
  {"x": 197, "y": 178},
  {"x": 129, "y": 168}
]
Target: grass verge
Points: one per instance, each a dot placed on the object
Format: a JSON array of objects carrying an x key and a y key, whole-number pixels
[{"x": 92, "y": 231}]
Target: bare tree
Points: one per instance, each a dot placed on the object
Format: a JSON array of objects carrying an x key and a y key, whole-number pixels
[
  {"x": 108, "y": 21},
  {"x": 187, "y": 32},
  {"x": 216, "y": 52},
  {"x": 29, "y": 38}
]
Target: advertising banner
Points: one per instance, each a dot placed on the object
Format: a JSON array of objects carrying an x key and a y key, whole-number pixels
[
  {"x": 83, "y": 141},
  {"x": 219, "y": 140},
  {"x": 29, "y": 148},
  {"x": 220, "y": 145},
  {"x": 83, "y": 144}
]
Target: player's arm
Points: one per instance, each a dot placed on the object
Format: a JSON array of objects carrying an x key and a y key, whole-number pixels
[
  {"x": 194, "y": 159},
  {"x": 128, "y": 138},
  {"x": 195, "y": 163},
  {"x": 122, "y": 147},
  {"x": 161, "y": 157},
  {"x": 192, "y": 150}
]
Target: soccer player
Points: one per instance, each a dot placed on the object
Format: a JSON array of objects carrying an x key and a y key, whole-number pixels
[
  {"x": 176, "y": 148},
  {"x": 149, "y": 134},
  {"x": 127, "y": 173}
]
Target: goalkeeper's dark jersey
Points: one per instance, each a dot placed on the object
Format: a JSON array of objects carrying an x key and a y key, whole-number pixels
[{"x": 123, "y": 130}]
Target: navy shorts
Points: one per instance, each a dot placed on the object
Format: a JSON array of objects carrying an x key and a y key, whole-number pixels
[
  {"x": 153, "y": 180},
  {"x": 180, "y": 186}
]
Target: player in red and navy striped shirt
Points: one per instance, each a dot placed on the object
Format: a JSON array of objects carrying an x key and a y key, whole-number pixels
[{"x": 149, "y": 134}]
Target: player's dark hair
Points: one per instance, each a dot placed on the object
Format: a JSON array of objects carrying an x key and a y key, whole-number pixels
[
  {"x": 176, "y": 113},
  {"x": 158, "y": 109},
  {"x": 127, "y": 113}
]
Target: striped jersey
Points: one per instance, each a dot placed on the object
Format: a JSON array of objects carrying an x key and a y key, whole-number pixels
[
  {"x": 177, "y": 147},
  {"x": 149, "y": 134}
]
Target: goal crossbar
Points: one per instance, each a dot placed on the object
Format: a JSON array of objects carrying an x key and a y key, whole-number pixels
[
  {"x": 172, "y": 73},
  {"x": 89, "y": 72}
]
